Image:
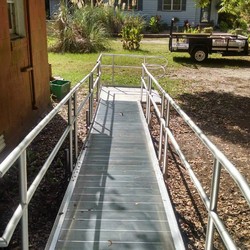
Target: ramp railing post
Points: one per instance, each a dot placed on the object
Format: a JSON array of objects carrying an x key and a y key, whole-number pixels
[
  {"x": 146, "y": 107},
  {"x": 75, "y": 125},
  {"x": 149, "y": 102},
  {"x": 90, "y": 97},
  {"x": 113, "y": 68},
  {"x": 142, "y": 85},
  {"x": 87, "y": 119},
  {"x": 215, "y": 185},
  {"x": 70, "y": 134},
  {"x": 24, "y": 200},
  {"x": 98, "y": 82},
  {"x": 161, "y": 128},
  {"x": 165, "y": 159}
]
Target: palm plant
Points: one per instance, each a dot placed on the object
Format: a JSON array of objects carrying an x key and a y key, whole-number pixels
[
  {"x": 131, "y": 32},
  {"x": 81, "y": 30},
  {"x": 91, "y": 32}
]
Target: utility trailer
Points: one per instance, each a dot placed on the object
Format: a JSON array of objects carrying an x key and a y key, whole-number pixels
[{"x": 200, "y": 45}]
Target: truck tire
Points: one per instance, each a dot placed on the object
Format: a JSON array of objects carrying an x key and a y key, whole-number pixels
[{"x": 199, "y": 54}]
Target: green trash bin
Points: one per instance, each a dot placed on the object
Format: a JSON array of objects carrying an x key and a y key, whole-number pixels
[{"x": 59, "y": 88}]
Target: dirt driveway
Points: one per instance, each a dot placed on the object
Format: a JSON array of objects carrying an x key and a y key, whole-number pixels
[
  {"x": 230, "y": 80},
  {"x": 217, "y": 98}
]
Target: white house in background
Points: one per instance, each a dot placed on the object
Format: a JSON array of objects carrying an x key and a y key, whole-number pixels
[
  {"x": 167, "y": 9},
  {"x": 52, "y": 7},
  {"x": 181, "y": 9}
]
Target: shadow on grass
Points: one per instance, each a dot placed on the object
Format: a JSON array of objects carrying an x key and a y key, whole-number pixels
[
  {"x": 221, "y": 114},
  {"x": 221, "y": 62}
]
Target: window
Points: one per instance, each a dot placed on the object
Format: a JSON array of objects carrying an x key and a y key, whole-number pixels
[
  {"x": 173, "y": 5},
  {"x": 11, "y": 13},
  {"x": 16, "y": 18}
]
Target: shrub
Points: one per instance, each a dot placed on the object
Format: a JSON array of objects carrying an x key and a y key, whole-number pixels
[
  {"x": 242, "y": 24},
  {"x": 131, "y": 32},
  {"x": 114, "y": 19},
  {"x": 192, "y": 30},
  {"x": 81, "y": 30},
  {"x": 155, "y": 24},
  {"x": 224, "y": 26},
  {"x": 90, "y": 32},
  {"x": 227, "y": 20}
]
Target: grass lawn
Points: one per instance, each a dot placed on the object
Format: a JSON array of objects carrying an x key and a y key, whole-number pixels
[{"x": 74, "y": 67}]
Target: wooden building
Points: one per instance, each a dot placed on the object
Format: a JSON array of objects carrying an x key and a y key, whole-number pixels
[{"x": 24, "y": 69}]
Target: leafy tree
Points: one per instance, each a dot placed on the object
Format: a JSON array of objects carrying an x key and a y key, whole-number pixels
[
  {"x": 239, "y": 8},
  {"x": 202, "y": 3}
]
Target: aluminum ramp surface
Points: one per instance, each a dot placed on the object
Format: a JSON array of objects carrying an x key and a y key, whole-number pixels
[{"x": 117, "y": 198}]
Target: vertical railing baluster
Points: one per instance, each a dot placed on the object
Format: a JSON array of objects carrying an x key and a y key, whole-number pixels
[
  {"x": 142, "y": 85},
  {"x": 113, "y": 68},
  {"x": 90, "y": 97},
  {"x": 214, "y": 193},
  {"x": 70, "y": 134},
  {"x": 146, "y": 106},
  {"x": 149, "y": 101},
  {"x": 24, "y": 199},
  {"x": 165, "y": 159},
  {"x": 87, "y": 119},
  {"x": 161, "y": 127},
  {"x": 75, "y": 125},
  {"x": 98, "y": 81}
]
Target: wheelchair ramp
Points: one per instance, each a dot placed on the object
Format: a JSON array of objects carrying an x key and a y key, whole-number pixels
[{"x": 116, "y": 198}]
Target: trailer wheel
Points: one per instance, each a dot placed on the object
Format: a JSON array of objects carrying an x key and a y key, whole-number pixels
[{"x": 199, "y": 54}]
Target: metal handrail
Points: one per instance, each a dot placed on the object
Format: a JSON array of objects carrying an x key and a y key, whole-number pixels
[
  {"x": 19, "y": 153},
  {"x": 220, "y": 159},
  {"x": 147, "y": 80},
  {"x": 144, "y": 60}
]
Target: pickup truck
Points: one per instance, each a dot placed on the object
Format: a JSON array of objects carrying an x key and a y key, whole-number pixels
[{"x": 201, "y": 44}]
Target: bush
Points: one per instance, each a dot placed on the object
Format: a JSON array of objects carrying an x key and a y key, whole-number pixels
[
  {"x": 242, "y": 24},
  {"x": 226, "y": 20},
  {"x": 155, "y": 24},
  {"x": 192, "y": 30},
  {"x": 114, "y": 19},
  {"x": 82, "y": 30},
  {"x": 132, "y": 32},
  {"x": 224, "y": 26}
]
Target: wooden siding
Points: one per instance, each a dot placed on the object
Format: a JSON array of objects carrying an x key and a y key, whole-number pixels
[{"x": 17, "y": 113}]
